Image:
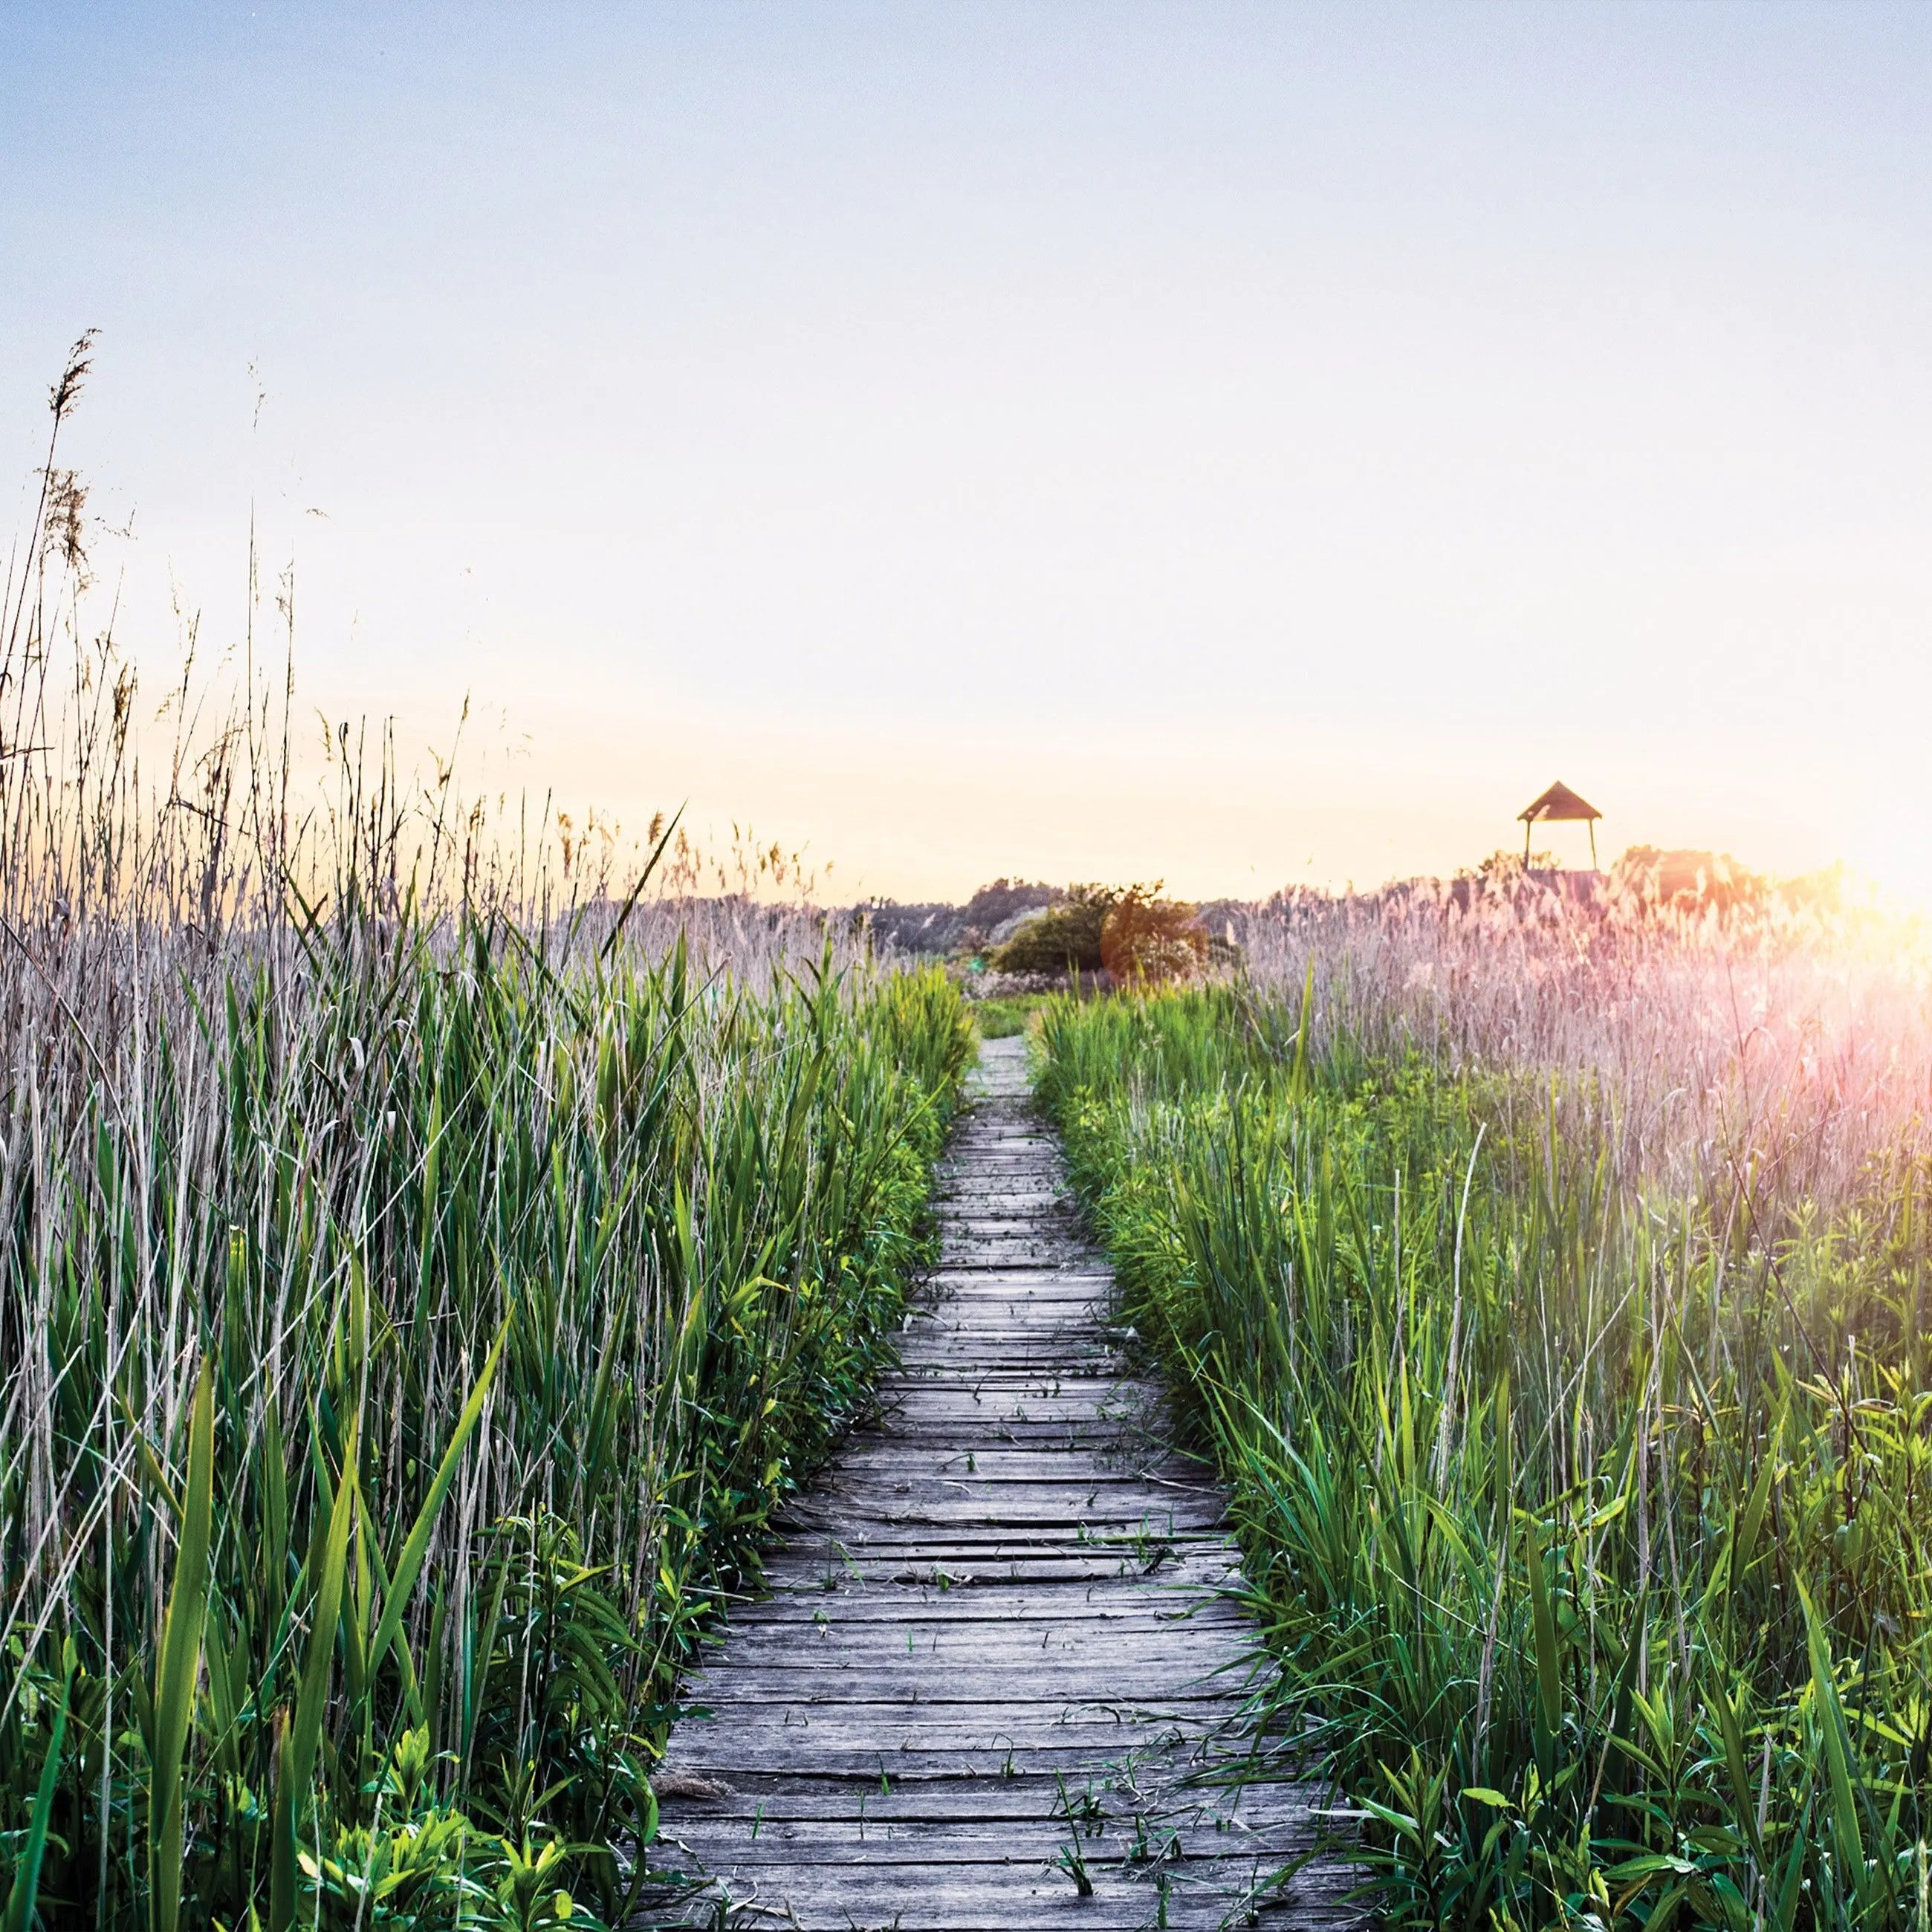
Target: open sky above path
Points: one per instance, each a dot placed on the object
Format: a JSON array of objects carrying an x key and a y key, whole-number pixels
[{"x": 1247, "y": 444}]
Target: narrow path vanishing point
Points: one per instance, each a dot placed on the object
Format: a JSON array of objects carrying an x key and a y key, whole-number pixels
[{"x": 1003, "y": 1605}]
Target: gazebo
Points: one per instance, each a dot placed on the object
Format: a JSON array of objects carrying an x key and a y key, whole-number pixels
[{"x": 1559, "y": 802}]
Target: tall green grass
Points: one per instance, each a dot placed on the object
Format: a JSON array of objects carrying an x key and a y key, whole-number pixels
[
  {"x": 422, "y": 1271},
  {"x": 1590, "y": 1512}
]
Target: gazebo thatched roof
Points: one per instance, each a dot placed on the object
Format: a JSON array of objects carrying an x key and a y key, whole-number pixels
[{"x": 1558, "y": 802}]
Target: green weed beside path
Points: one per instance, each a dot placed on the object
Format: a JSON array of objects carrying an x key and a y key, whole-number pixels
[
  {"x": 1591, "y": 1522},
  {"x": 1003, "y": 1019}
]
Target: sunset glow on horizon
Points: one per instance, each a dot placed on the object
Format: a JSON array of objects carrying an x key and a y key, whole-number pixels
[{"x": 1246, "y": 446}]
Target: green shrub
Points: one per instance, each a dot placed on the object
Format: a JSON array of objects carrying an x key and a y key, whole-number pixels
[
  {"x": 1147, "y": 941},
  {"x": 1064, "y": 938}
]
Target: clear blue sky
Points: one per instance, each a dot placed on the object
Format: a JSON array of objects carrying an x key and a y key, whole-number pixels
[{"x": 1244, "y": 443}]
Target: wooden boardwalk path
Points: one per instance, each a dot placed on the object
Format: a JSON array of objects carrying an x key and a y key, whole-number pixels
[{"x": 996, "y": 1650}]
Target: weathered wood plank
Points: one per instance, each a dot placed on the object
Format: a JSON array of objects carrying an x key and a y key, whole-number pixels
[
  {"x": 1120, "y": 1607},
  {"x": 955, "y": 1676},
  {"x": 1019, "y": 1896},
  {"x": 1002, "y": 1463},
  {"x": 760, "y": 1796},
  {"x": 875, "y": 1643}
]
